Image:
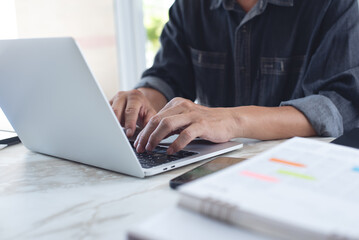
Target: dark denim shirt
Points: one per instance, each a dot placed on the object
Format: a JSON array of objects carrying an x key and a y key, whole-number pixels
[{"x": 300, "y": 53}]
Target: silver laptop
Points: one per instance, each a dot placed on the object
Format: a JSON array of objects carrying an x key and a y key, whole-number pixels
[{"x": 57, "y": 108}]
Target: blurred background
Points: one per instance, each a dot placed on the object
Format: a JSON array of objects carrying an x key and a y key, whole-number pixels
[
  {"x": 155, "y": 17},
  {"x": 107, "y": 31}
]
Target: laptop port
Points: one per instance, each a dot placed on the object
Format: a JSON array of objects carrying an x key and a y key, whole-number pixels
[
  {"x": 173, "y": 166},
  {"x": 164, "y": 169}
]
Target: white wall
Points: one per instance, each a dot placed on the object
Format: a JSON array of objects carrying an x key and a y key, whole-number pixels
[{"x": 8, "y": 27}]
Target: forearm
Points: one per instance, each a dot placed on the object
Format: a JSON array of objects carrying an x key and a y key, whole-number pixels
[
  {"x": 157, "y": 99},
  {"x": 268, "y": 123}
]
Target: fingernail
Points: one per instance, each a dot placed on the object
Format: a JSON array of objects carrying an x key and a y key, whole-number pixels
[
  {"x": 128, "y": 132},
  {"x": 148, "y": 147},
  {"x": 138, "y": 149},
  {"x": 170, "y": 151}
]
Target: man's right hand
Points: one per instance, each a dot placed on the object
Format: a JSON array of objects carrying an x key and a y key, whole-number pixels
[{"x": 136, "y": 107}]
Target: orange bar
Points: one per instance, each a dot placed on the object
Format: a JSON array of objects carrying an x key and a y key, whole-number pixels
[{"x": 287, "y": 162}]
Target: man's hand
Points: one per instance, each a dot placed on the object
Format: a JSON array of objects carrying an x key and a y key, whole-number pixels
[
  {"x": 190, "y": 120},
  {"x": 136, "y": 107}
]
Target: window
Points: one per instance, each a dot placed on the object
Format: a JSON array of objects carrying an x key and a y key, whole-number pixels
[
  {"x": 98, "y": 27},
  {"x": 119, "y": 38},
  {"x": 155, "y": 17},
  {"x": 90, "y": 22},
  {"x": 131, "y": 16}
]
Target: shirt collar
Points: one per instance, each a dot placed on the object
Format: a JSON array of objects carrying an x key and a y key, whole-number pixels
[{"x": 287, "y": 3}]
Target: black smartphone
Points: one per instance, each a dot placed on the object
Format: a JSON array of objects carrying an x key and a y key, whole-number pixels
[{"x": 203, "y": 170}]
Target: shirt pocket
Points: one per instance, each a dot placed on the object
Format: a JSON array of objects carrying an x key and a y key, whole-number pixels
[
  {"x": 209, "y": 74},
  {"x": 278, "y": 78}
]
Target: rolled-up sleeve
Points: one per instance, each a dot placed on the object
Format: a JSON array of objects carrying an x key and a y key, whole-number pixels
[
  {"x": 158, "y": 84},
  {"x": 172, "y": 72},
  {"x": 328, "y": 93},
  {"x": 324, "y": 117}
]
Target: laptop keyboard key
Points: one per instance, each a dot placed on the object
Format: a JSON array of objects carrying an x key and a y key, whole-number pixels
[{"x": 159, "y": 156}]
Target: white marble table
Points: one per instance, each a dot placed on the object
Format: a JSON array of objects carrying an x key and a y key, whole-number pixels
[{"x": 42, "y": 197}]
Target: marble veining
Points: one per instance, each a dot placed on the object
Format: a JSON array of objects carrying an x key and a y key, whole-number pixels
[{"x": 42, "y": 197}]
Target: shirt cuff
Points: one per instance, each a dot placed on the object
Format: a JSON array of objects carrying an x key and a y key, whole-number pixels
[
  {"x": 157, "y": 84},
  {"x": 321, "y": 113}
]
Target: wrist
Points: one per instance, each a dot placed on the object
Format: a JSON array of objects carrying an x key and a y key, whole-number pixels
[
  {"x": 237, "y": 122},
  {"x": 241, "y": 121}
]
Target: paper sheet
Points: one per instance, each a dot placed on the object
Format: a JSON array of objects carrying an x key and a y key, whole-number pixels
[
  {"x": 302, "y": 182},
  {"x": 184, "y": 224},
  {"x": 4, "y": 123},
  {"x": 5, "y": 135}
]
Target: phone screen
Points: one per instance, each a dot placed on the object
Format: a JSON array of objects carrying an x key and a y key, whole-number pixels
[{"x": 203, "y": 170}]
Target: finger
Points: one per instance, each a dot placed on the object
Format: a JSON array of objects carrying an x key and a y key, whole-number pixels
[
  {"x": 184, "y": 138},
  {"x": 118, "y": 106},
  {"x": 146, "y": 132},
  {"x": 132, "y": 110},
  {"x": 178, "y": 131},
  {"x": 138, "y": 137},
  {"x": 153, "y": 124},
  {"x": 167, "y": 127},
  {"x": 163, "y": 114}
]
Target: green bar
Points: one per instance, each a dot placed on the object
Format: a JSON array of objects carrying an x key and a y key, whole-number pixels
[{"x": 298, "y": 175}]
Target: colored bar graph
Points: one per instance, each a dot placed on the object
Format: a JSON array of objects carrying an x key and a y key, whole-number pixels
[
  {"x": 356, "y": 169},
  {"x": 294, "y": 164},
  {"x": 259, "y": 176},
  {"x": 297, "y": 175}
]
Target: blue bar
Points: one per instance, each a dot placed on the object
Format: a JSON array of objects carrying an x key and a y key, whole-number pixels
[{"x": 356, "y": 169}]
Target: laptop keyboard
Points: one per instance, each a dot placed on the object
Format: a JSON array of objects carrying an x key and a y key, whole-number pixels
[{"x": 159, "y": 156}]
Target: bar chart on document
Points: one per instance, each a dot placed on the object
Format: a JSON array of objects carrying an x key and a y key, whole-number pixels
[
  {"x": 302, "y": 177},
  {"x": 326, "y": 170}
]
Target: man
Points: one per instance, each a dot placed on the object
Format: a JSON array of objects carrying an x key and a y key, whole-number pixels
[{"x": 264, "y": 69}]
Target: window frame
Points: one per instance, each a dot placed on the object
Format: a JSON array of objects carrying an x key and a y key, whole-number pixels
[{"x": 131, "y": 42}]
